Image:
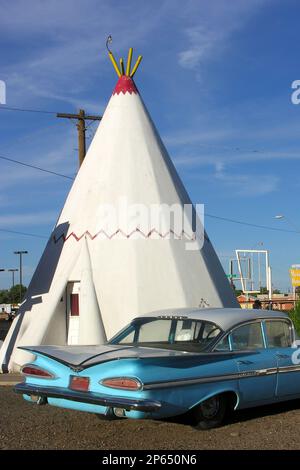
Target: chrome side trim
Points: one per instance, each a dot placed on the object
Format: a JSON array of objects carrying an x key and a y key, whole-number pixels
[
  {"x": 89, "y": 397},
  {"x": 285, "y": 369},
  {"x": 210, "y": 379},
  {"x": 219, "y": 378}
]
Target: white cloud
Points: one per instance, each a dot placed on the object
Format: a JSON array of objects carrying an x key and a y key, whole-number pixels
[
  {"x": 202, "y": 42},
  {"x": 219, "y": 157},
  {"x": 213, "y": 25},
  {"x": 249, "y": 185},
  {"x": 69, "y": 40}
]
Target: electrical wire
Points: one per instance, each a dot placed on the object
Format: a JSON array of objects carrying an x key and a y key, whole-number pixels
[
  {"x": 24, "y": 110},
  {"x": 209, "y": 146},
  {"x": 2, "y": 157},
  {"x": 22, "y": 233},
  {"x": 265, "y": 227},
  {"x": 224, "y": 219}
]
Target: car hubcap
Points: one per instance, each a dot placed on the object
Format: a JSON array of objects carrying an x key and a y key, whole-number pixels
[{"x": 210, "y": 407}]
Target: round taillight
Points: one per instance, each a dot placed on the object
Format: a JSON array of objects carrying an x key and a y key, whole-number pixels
[
  {"x": 123, "y": 383},
  {"x": 33, "y": 371}
]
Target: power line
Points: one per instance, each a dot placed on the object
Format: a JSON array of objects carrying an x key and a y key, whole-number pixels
[
  {"x": 35, "y": 167},
  {"x": 265, "y": 227},
  {"x": 22, "y": 233},
  {"x": 225, "y": 219},
  {"x": 209, "y": 146},
  {"x": 24, "y": 110}
]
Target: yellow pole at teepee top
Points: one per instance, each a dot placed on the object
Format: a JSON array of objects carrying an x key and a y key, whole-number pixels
[
  {"x": 113, "y": 60},
  {"x": 136, "y": 65},
  {"x": 121, "y": 70},
  {"x": 122, "y": 66},
  {"x": 129, "y": 61}
]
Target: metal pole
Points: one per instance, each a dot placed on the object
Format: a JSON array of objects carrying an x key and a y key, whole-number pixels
[
  {"x": 13, "y": 282},
  {"x": 1, "y": 270},
  {"x": 20, "y": 253},
  {"x": 81, "y": 118},
  {"x": 81, "y": 136}
]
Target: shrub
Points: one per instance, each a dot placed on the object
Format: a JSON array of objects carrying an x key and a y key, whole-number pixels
[{"x": 295, "y": 316}]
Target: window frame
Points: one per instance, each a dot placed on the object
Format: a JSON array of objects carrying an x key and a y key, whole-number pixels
[
  {"x": 282, "y": 320},
  {"x": 229, "y": 333}
]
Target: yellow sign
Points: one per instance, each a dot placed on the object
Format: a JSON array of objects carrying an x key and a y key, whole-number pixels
[{"x": 295, "y": 277}]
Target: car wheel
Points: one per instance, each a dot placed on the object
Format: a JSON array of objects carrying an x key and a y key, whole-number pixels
[{"x": 210, "y": 413}]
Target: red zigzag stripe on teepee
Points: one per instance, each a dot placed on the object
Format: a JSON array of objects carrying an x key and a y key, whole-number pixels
[{"x": 180, "y": 236}]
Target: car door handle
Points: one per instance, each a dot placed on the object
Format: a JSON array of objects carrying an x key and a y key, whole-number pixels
[
  {"x": 282, "y": 356},
  {"x": 244, "y": 362}
]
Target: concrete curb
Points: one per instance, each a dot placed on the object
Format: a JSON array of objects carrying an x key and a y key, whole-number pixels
[
  {"x": 8, "y": 384},
  {"x": 8, "y": 380}
]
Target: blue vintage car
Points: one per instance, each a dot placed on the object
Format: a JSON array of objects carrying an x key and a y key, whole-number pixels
[{"x": 202, "y": 362}]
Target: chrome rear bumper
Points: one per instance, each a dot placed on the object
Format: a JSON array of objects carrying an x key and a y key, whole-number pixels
[{"x": 88, "y": 397}]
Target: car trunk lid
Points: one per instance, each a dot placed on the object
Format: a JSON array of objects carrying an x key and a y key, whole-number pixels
[{"x": 86, "y": 356}]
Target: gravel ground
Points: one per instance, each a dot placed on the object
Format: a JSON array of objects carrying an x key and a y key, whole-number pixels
[{"x": 27, "y": 426}]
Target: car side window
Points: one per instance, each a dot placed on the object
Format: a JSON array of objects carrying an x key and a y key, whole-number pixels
[
  {"x": 278, "y": 334},
  {"x": 128, "y": 339},
  {"x": 248, "y": 336},
  {"x": 223, "y": 345}
]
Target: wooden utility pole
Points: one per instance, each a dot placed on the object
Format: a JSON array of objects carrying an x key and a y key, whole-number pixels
[{"x": 81, "y": 117}]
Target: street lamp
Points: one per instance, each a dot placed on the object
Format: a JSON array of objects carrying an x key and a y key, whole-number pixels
[
  {"x": 282, "y": 216},
  {"x": 13, "y": 271},
  {"x": 20, "y": 253},
  {"x": 1, "y": 270}
]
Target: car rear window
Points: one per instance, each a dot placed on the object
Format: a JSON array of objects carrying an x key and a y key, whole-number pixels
[{"x": 169, "y": 333}]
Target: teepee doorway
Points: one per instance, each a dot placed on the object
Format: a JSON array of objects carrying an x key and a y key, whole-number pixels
[{"x": 73, "y": 311}]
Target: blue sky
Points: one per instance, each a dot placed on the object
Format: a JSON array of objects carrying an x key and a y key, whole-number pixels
[{"x": 216, "y": 78}]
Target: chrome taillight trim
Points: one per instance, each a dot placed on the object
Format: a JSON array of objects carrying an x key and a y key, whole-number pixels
[
  {"x": 52, "y": 376},
  {"x": 135, "y": 379}
]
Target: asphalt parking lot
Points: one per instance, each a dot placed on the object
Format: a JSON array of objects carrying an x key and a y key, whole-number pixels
[{"x": 27, "y": 426}]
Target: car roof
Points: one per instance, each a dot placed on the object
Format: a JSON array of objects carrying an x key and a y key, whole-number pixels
[{"x": 225, "y": 318}]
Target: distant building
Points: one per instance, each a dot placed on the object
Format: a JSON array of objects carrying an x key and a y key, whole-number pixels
[
  {"x": 246, "y": 301},
  {"x": 5, "y": 308},
  {"x": 283, "y": 302}
]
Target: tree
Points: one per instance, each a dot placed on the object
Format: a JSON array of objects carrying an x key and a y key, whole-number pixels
[
  {"x": 238, "y": 292},
  {"x": 264, "y": 290},
  {"x": 276, "y": 291},
  {"x": 4, "y": 296},
  {"x": 14, "y": 293}
]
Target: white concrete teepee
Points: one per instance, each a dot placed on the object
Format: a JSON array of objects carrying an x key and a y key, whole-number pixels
[{"x": 95, "y": 276}]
